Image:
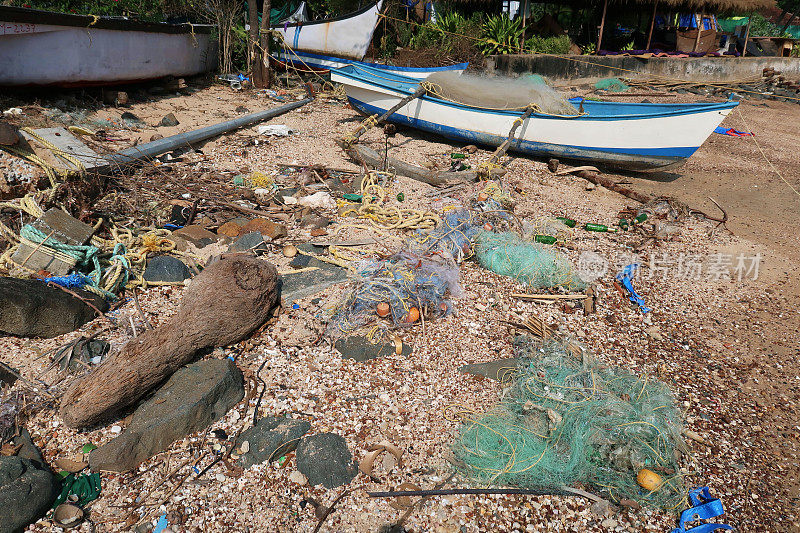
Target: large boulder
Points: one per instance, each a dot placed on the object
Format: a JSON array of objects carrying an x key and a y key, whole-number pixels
[
  {"x": 193, "y": 398},
  {"x": 31, "y": 308},
  {"x": 27, "y": 490}
]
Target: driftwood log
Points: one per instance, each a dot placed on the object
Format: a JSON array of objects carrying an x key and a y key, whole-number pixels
[
  {"x": 364, "y": 155},
  {"x": 592, "y": 175},
  {"x": 225, "y": 303}
]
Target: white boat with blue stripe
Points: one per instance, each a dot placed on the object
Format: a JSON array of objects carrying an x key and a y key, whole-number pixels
[{"x": 622, "y": 135}]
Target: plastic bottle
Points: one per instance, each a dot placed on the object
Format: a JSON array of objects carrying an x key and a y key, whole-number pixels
[
  {"x": 567, "y": 221},
  {"x": 602, "y": 228}
]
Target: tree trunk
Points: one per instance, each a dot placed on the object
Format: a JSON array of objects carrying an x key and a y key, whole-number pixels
[
  {"x": 223, "y": 305},
  {"x": 791, "y": 18},
  {"x": 252, "y": 16},
  {"x": 261, "y": 71}
]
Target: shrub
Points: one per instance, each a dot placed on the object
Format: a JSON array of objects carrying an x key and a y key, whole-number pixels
[
  {"x": 500, "y": 35},
  {"x": 548, "y": 45}
]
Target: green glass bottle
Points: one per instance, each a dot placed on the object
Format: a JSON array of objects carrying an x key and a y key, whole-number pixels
[
  {"x": 400, "y": 197},
  {"x": 567, "y": 221},
  {"x": 624, "y": 224},
  {"x": 456, "y": 155},
  {"x": 641, "y": 218},
  {"x": 602, "y": 228},
  {"x": 544, "y": 239}
]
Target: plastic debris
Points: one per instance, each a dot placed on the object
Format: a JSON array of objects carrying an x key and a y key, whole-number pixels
[
  {"x": 703, "y": 507},
  {"x": 319, "y": 199},
  {"x": 274, "y": 130},
  {"x": 625, "y": 278},
  {"x": 80, "y": 489},
  {"x": 566, "y": 419}
]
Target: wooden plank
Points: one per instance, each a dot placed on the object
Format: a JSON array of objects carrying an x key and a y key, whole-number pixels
[{"x": 65, "y": 141}]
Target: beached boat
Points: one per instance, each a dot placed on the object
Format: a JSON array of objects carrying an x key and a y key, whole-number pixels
[
  {"x": 622, "y": 135},
  {"x": 308, "y": 62},
  {"x": 348, "y": 36},
  {"x": 47, "y": 48}
]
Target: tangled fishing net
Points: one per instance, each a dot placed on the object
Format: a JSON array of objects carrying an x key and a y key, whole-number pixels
[
  {"x": 532, "y": 263},
  {"x": 498, "y": 93},
  {"x": 568, "y": 420},
  {"x": 401, "y": 290}
]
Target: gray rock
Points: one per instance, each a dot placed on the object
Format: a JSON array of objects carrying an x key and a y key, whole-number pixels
[
  {"x": 307, "y": 283},
  {"x": 499, "y": 370},
  {"x": 166, "y": 268},
  {"x": 193, "y": 398},
  {"x": 325, "y": 459},
  {"x": 252, "y": 241},
  {"x": 27, "y": 490},
  {"x": 196, "y": 235},
  {"x": 28, "y": 449},
  {"x": 360, "y": 349},
  {"x": 315, "y": 221},
  {"x": 8, "y": 134},
  {"x": 270, "y": 438},
  {"x": 169, "y": 121},
  {"x": 132, "y": 121},
  {"x": 30, "y": 308}
]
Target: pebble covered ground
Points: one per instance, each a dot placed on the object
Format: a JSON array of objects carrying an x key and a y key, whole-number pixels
[{"x": 726, "y": 347}]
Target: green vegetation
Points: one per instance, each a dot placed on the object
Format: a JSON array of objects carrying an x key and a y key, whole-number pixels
[
  {"x": 500, "y": 35},
  {"x": 548, "y": 45}
]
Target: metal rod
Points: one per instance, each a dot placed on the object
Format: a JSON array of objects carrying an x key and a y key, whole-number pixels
[{"x": 152, "y": 149}]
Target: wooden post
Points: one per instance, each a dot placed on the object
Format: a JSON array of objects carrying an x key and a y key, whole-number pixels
[
  {"x": 252, "y": 16},
  {"x": 523, "y": 7},
  {"x": 602, "y": 25},
  {"x": 261, "y": 71},
  {"x": 747, "y": 34},
  {"x": 699, "y": 21},
  {"x": 652, "y": 25}
]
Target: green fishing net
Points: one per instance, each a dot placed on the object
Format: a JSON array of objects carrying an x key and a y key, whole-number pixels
[
  {"x": 567, "y": 419},
  {"x": 535, "y": 264},
  {"x": 613, "y": 85}
]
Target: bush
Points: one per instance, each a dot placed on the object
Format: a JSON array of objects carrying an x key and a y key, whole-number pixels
[
  {"x": 500, "y": 35},
  {"x": 548, "y": 45}
]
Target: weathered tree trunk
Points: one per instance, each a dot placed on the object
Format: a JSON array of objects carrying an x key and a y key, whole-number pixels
[
  {"x": 252, "y": 16},
  {"x": 261, "y": 72},
  {"x": 224, "y": 304}
]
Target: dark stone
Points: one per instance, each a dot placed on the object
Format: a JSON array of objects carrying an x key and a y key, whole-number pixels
[
  {"x": 360, "y": 349},
  {"x": 193, "y": 398},
  {"x": 252, "y": 241},
  {"x": 270, "y": 438},
  {"x": 325, "y": 459},
  {"x": 500, "y": 370},
  {"x": 28, "y": 449},
  {"x": 315, "y": 221},
  {"x": 131, "y": 120},
  {"x": 166, "y": 268},
  {"x": 196, "y": 235},
  {"x": 241, "y": 110},
  {"x": 27, "y": 490},
  {"x": 169, "y": 121},
  {"x": 30, "y": 308},
  {"x": 8, "y": 134},
  {"x": 155, "y": 137},
  {"x": 307, "y": 283},
  {"x": 6, "y": 376}
]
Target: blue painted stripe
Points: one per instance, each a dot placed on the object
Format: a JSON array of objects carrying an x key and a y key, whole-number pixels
[
  {"x": 378, "y": 66},
  {"x": 631, "y": 157}
]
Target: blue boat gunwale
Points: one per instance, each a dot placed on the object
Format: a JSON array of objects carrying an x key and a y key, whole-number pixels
[
  {"x": 406, "y": 85},
  {"x": 378, "y": 66}
]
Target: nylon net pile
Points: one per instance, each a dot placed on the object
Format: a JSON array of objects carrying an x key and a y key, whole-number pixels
[
  {"x": 413, "y": 286},
  {"x": 566, "y": 419},
  {"x": 499, "y": 93},
  {"x": 531, "y": 263}
]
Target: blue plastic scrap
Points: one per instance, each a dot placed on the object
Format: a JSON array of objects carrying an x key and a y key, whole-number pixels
[
  {"x": 626, "y": 280},
  {"x": 161, "y": 525},
  {"x": 704, "y": 507}
]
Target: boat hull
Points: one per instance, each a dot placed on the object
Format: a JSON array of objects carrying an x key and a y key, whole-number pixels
[
  {"x": 348, "y": 37},
  {"x": 68, "y": 55},
  {"x": 307, "y": 62},
  {"x": 629, "y": 141}
]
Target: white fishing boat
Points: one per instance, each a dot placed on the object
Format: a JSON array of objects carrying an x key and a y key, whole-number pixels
[
  {"x": 347, "y": 37},
  {"x": 47, "y": 48},
  {"x": 308, "y": 62},
  {"x": 623, "y": 135}
]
